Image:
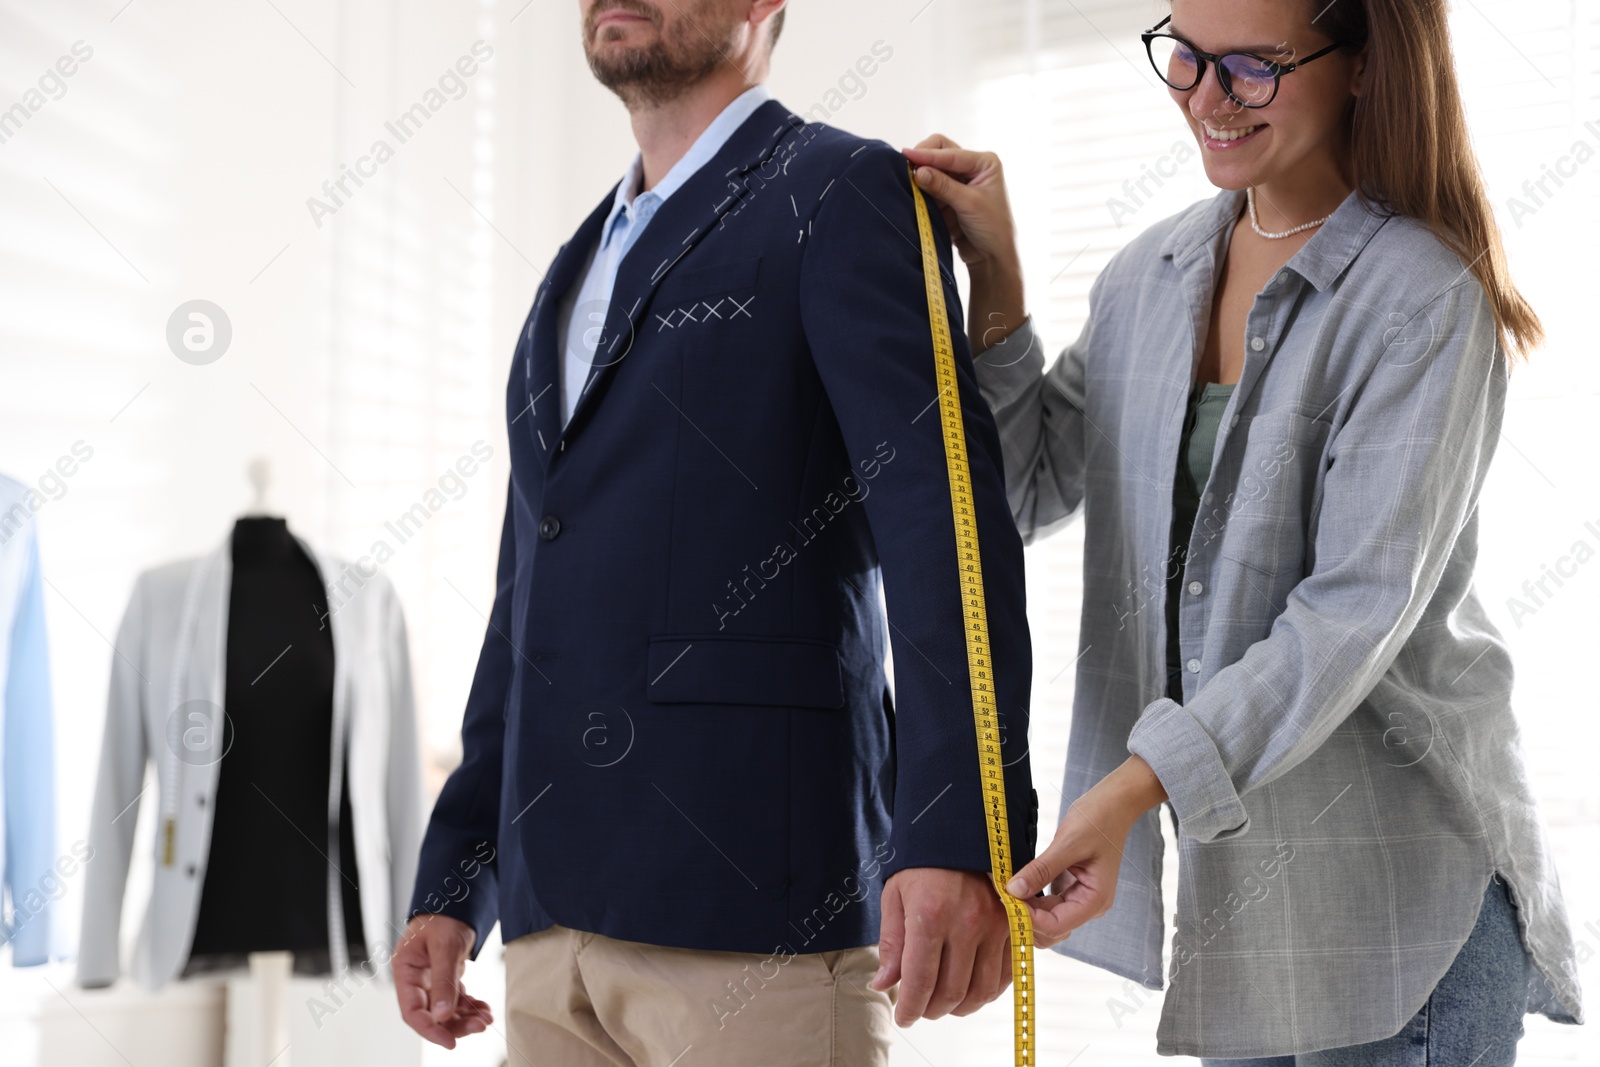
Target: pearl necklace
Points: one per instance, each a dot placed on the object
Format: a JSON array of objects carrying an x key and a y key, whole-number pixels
[{"x": 1255, "y": 224}]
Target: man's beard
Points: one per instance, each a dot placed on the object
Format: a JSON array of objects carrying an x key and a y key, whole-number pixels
[{"x": 680, "y": 58}]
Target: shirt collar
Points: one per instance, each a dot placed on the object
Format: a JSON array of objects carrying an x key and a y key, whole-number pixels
[
  {"x": 707, "y": 145},
  {"x": 1326, "y": 256}
]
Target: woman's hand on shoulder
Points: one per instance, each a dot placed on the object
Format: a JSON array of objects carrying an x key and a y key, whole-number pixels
[{"x": 970, "y": 190}]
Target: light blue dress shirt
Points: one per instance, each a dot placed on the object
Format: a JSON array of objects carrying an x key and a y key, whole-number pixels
[
  {"x": 583, "y": 307},
  {"x": 28, "y": 883}
]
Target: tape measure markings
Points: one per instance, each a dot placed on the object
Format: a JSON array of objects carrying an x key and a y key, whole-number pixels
[{"x": 979, "y": 665}]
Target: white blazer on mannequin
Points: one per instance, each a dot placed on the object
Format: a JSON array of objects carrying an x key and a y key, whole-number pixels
[{"x": 171, "y": 653}]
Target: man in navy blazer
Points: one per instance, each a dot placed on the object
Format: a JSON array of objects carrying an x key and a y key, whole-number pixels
[{"x": 685, "y": 794}]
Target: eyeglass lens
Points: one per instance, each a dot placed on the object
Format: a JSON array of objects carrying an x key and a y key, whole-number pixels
[{"x": 1249, "y": 80}]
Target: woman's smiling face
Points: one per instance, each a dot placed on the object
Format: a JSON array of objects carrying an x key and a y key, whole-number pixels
[{"x": 1305, "y": 125}]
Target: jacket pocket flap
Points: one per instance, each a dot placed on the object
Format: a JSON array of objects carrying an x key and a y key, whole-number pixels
[
  {"x": 765, "y": 672},
  {"x": 714, "y": 279}
]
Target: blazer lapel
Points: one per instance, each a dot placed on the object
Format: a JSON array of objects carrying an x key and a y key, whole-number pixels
[
  {"x": 540, "y": 407},
  {"x": 711, "y": 194},
  {"x": 194, "y": 716}
]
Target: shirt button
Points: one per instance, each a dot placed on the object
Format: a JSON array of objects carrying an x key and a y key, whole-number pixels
[
  {"x": 1194, "y": 666},
  {"x": 549, "y": 528},
  {"x": 189, "y": 870},
  {"x": 1210, "y": 497},
  {"x": 1196, "y": 588},
  {"x": 1233, "y": 422},
  {"x": 1257, "y": 344}
]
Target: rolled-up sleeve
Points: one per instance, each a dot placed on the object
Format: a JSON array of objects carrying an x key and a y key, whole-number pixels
[{"x": 1407, "y": 465}]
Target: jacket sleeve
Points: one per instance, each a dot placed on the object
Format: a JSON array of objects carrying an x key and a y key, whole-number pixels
[
  {"x": 865, "y": 313},
  {"x": 457, "y": 873},
  {"x": 1408, "y": 464},
  {"x": 117, "y": 791},
  {"x": 404, "y": 779},
  {"x": 29, "y": 774},
  {"x": 1042, "y": 424}
]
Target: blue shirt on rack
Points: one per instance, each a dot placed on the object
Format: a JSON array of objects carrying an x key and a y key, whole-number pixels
[{"x": 28, "y": 884}]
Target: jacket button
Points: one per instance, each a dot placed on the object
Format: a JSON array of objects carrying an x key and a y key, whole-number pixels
[{"x": 549, "y": 528}]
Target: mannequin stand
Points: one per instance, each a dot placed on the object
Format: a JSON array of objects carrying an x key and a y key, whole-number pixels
[{"x": 269, "y": 975}]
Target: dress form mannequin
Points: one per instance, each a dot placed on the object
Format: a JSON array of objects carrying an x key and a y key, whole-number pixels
[
  {"x": 266, "y": 883},
  {"x": 231, "y": 680}
]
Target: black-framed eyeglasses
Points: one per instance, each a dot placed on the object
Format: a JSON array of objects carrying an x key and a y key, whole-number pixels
[{"x": 1248, "y": 79}]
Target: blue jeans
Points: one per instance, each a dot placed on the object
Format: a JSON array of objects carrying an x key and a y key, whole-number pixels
[{"x": 1473, "y": 1017}]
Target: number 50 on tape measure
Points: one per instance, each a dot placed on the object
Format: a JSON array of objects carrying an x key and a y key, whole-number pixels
[{"x": 980, "y": 668}]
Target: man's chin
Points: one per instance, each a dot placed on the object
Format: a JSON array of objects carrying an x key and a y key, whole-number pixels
[{"x": 638, "y": 78}]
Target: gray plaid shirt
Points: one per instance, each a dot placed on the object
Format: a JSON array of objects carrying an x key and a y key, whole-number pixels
[{"x": 1344, "y": 768}]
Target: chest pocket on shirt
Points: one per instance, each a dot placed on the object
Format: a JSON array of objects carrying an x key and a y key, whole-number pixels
[
  {"x": 1266, "y": 521},
  {"x": 705, "y": 298}
]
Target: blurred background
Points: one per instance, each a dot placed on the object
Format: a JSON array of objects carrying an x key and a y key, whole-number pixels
[{"x": 370, "y": 334}]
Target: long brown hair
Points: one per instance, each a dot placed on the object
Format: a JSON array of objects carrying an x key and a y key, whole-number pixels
[{"x": 1409, "y": 147}]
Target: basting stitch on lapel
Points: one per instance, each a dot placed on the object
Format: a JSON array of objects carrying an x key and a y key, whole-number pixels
[
  {"x": 614, "y": 340},
  {"x": 667, "y": 265},
  {"x": 789, "y": 136},
  {"x": 542, "y": 362},
  {"x": 737, "y": 176}
]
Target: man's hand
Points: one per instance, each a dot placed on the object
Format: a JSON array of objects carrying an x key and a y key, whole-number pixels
[
  {"x": 427, "y": 965},
  {"x": 945, "y": 940}
]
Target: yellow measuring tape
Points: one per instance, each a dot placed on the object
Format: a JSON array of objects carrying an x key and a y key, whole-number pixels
[{"x": 985, "y": 715}]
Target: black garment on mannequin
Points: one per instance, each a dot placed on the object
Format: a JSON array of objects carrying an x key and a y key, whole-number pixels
[{"x": 266, "y": 883}]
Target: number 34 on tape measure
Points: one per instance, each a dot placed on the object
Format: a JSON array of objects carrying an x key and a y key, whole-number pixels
[{"x": 985, "y": 713}]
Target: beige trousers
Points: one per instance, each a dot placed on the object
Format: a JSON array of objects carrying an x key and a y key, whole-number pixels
[{"x": 575, "y": 999}]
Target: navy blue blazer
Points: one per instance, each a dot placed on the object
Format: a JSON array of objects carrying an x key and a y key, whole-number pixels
[{"x": 680, "y": 730}]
